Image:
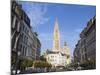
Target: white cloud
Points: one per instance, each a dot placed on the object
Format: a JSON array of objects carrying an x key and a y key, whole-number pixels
[
  {"x": 46, "y": 36},
  {"x": 36, "y": 12}
]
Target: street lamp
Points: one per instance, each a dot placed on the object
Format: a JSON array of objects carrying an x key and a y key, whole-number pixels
[
  {"x": 16, "y": 71},
  {"x": 13, "y": 71},
  {"x": 88, "y": 59},
  {"x": 78, "y": 63},
  {"x": 18, "y": 54}
]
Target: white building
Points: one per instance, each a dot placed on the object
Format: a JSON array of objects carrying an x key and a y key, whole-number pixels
[{"x": 56, "y": 58}]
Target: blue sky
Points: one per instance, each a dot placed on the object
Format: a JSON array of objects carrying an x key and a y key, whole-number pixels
[{"x": 71, "y": 19}]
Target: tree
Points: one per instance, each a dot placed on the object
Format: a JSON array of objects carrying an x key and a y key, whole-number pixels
[
  {"x": 89, "y": 64},
  {"x": 42, "y": 58},
  {"x": 42, "y": 64},
  {"x": 26, "y": 63}
]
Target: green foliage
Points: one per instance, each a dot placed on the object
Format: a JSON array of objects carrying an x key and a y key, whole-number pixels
[
  {"x": 26, "y": 63},
  {"x": 91, "y": 64},
  {"x": 41, "y": 64},
  {"x": 42, "y": 58},
  {"x": 13, "y": 60}
]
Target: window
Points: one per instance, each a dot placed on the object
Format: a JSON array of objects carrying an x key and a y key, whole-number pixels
[
  {"x": 12, "y": 18},
  {"x": 20, "y": 47},
  {"x": 26, "y": 30},
  {"x": 26, "y": 40},
  {"x": 23, "y": 27},
  {"x": 16, "y": 24},
  {"x": 22, "y": 37},
  {"x": 23, "y": 50}
]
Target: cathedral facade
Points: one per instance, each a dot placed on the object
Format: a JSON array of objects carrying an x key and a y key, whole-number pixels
[{"x": 58, "y": 56}]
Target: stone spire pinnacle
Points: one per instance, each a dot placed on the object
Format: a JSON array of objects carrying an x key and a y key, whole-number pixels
[
  {"x": 66, "y": 49},
  {"x": 56, "y": 39},
  {"x": 65, "y": 44},
  {"x": 56, "y": 24}
]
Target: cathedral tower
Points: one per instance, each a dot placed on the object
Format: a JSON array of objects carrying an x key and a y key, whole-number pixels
[
  {"x": 56, "y": 37},
  {"x": 66, "y": 49}
]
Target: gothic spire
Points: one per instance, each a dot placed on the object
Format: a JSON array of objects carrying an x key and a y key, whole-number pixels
[{"x": 56, "y": 39}]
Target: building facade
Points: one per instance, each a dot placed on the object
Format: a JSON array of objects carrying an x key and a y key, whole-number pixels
[
  {"x": 87, "y": 45},
  {"x": 77, "y": 53},
  {"x": 57, "y": 59},
  {"x": 37, "y": 46},
  {"x": 24, "y": 42}
]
